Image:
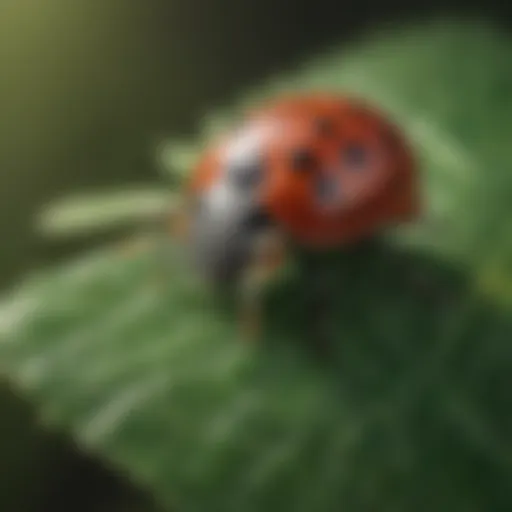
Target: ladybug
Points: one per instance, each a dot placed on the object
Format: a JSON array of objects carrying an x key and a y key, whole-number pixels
[{"x": 320, "y": 171}]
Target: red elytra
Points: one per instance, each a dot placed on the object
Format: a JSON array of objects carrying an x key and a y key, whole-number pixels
[{"x": 334, "y": 169}]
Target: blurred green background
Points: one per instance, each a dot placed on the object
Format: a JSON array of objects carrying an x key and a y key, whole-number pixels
[{"x": 86, "y": 89}]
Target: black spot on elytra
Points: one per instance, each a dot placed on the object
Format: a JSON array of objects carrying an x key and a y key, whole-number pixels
[
  {"x": 303, "y": 160},
  {"x": 326, "y": 190},
  {"x": 354, "y": 156}
]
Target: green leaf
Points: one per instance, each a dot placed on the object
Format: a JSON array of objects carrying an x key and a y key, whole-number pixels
[
  {"x": 151, "y": 374},
  {"x": 412, "y": 409},
  {"x": 85, "y": 214}
]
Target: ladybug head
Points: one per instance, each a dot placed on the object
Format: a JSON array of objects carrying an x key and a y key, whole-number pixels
[{"x": 228, "y": 219}]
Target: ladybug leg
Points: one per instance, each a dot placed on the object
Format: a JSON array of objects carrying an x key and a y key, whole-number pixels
[{"x": 269, "y": 256}]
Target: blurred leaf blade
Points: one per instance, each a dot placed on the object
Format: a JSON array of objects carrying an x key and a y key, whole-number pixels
[{"x": 85, "y": 214}]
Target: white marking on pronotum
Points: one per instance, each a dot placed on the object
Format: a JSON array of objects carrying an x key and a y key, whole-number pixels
[
  {"x": 222, "y": 197},
  {"x": 250, "y": 139}
]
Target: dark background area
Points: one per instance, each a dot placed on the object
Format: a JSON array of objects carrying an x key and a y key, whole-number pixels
[{"x": 86, "y": 88}]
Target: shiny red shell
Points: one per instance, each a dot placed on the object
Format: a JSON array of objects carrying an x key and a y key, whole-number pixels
[{"x": 302, "y": 139}]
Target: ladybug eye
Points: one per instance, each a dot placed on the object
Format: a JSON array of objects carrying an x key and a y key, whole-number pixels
[
  {"x": 303, "y": 160},
  {"x": 355, "y": 157},
  {"x": 245, "y": 173}
]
